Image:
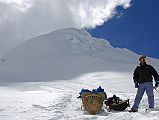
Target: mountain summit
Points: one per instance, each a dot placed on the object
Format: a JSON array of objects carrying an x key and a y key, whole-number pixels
[{"x": 63, "y": 54}]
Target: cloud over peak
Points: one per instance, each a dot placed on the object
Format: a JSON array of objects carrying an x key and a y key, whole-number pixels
[
  {"x": 91, "y": 13},
  {"x": 23, "y": 19}
]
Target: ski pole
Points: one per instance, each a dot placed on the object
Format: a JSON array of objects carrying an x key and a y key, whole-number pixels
[{"x": 156, "y": 89}]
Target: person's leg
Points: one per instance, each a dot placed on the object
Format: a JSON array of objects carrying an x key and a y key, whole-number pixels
[
  {"x": 150, "y": 94},
  {"x": 139, "y": 95}
]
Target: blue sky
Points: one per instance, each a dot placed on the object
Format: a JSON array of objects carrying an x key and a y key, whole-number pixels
[{"x": 137, "y": 28}]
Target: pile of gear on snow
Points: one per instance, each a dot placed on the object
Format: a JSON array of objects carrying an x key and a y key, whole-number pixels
[{"x": 93, "y": 101}]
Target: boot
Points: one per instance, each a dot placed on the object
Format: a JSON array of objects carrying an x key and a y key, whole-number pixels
[{"x": 133, "y": 109}]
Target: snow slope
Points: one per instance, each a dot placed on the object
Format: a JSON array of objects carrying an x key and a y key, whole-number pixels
[
  {"x": 64, "y": 54},
  {"x": 57, "y": 100},
  {"x": 40, "y": 79}
]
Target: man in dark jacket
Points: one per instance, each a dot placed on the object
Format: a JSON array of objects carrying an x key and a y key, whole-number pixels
[{"x": 143, "y": 79}]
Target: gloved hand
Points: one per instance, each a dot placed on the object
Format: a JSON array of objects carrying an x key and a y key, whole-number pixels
[
  {"x": 136, "y": 85},
  {"x": 156, "y": 85}
]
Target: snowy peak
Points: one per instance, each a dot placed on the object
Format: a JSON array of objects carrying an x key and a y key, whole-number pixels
[
  {"x": 69, "y": 41},
  {"x": 63, "y": 54},
  {"x": 72, "y": 31},
  {"x": 61, "y": 42},
  {"x": 79, "y": 39}
]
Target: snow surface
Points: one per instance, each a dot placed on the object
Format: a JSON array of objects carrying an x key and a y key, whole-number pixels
[
  {"x": 57, "y": 100},
  {"x": 64, "y": 54},
  {"x": 40, "y": 79}
]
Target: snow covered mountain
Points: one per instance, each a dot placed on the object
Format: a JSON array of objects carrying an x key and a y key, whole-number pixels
[
  {"x": 74, "y": 55},
  {"x": 64, "y": 54}
]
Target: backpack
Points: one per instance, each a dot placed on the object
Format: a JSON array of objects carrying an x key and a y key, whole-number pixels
[{"x": 115, "y": 103}]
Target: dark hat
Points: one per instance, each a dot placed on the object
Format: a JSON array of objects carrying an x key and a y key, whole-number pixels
[{"x": 142, "y": 57}]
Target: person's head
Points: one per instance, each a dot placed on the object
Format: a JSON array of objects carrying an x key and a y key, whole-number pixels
[{"x": 142, "y": 60}]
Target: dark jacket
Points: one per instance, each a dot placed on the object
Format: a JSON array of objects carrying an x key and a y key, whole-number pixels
[{"x": 145, "y": 73}]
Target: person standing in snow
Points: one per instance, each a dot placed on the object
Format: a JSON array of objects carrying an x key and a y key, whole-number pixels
[{"x": 143, "y": 76}]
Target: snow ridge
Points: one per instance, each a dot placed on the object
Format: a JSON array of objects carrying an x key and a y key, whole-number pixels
[{"x": 64, "y": 54}]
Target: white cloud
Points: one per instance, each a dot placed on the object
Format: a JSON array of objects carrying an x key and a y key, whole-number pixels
[
  {"x": 23, "y": 19},
  {"x": 21, "y": 5},
  {"x": 91, "y": 13}
]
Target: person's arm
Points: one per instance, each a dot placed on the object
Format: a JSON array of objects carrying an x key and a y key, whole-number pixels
[
  {"x": 135, "y": 77},
  {"x": 154, "y": 73}
]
